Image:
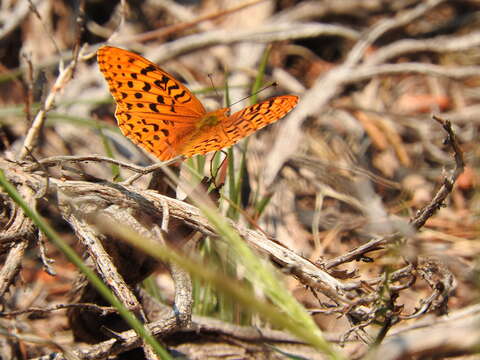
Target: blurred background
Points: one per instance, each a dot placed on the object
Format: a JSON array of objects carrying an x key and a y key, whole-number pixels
[{"x": 355, "y": 160}]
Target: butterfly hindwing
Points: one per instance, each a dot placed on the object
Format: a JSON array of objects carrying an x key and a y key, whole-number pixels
[{"x": 153, "y": 133}]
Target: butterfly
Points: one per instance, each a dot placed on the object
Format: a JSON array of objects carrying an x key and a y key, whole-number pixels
[{"x": 162, "y": 116}]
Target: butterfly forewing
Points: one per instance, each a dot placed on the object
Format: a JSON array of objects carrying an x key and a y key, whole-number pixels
[
  {"x": 153, "y": 109},
  {"x": 134, "y": 80},
  {"x": 254, "y": 117},
  {"x": 231, "y": 129}
]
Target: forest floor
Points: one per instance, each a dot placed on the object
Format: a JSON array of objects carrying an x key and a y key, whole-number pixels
[{"x": 359, "y": 208}]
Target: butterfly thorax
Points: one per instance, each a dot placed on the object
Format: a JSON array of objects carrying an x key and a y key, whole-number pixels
[{"x": 212, "y": 118}]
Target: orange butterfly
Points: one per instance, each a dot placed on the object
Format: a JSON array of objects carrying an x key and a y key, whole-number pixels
[{"x": 161, "y": 115}]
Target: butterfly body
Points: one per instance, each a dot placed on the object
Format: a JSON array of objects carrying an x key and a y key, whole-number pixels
[
  {"x": 161, "y": 115},
  {"x": 212, "y": 118}
]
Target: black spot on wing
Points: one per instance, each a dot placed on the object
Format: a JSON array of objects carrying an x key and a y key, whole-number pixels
[
  {"x": 171, "y": 88},
  {"x": 183, "y": 97},
  {"x": 161, "y": 83},
  {"x": 147, "y": 69}
]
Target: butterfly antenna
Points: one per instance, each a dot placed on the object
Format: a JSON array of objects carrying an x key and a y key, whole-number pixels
[
  {"x": 273, "y": 84},
  {"x": 213, "y": 86}
]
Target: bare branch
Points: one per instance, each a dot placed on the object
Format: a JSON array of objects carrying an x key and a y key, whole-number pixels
[
  {"x": 424, "y": 214},
  {"x": 34, "y": 132}
]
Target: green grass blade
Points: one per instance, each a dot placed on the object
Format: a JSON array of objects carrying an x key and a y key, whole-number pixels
[
  {"x": 302, "y": 326},
  {"x": 109, "y": 152},
  {"x": 262, "y": 275},
  {"x": 261, "y": 74}
]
